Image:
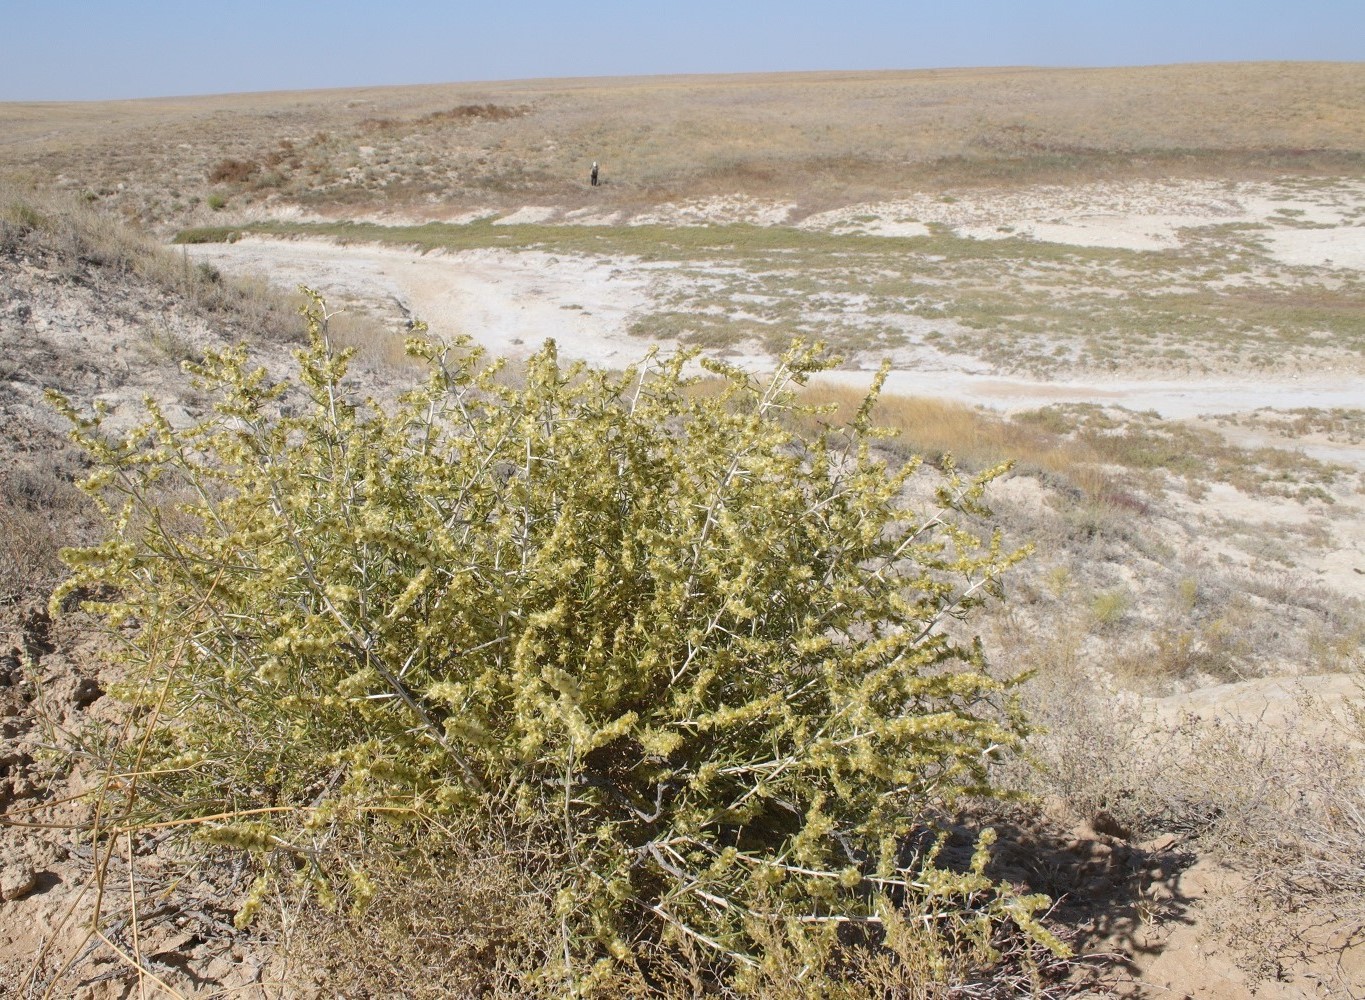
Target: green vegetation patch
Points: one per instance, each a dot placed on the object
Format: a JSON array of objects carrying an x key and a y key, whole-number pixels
[{"x": 208, "y": 234}]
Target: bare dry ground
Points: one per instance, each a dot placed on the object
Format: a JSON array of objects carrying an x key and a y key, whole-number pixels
[{"x": 1153, "y": 279}]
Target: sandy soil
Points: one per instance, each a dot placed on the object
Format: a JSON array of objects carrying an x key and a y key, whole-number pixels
[
  {"x": 1143, "y": 215},
  {"x": 511, "y": 302},
  {"x": 508, "y": 302}
]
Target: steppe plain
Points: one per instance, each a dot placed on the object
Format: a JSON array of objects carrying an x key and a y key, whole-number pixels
[{"x": 1144, "y": 286}]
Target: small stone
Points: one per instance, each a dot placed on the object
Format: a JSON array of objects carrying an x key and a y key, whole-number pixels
[
  {"x": 17, "y": 881},
  {"x": 11, "y": 668},
  {"x": 22, "y": 787}
]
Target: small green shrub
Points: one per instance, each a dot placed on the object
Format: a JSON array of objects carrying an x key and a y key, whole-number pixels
[
  {"x": 217, "y": 202},
  {"x": 208, "y": 234},
  {"x": 1059, "y": 581},
  {"x": 1109, "y": 606},
  {"x": 1187, "y": 594},
  {"x": 698, "y": 659}
]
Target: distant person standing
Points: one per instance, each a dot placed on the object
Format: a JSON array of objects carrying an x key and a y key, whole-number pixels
[{"x": 593, "y": 176}]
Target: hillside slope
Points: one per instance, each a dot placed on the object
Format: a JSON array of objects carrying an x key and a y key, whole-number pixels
[{"x": 822, "y": 140}]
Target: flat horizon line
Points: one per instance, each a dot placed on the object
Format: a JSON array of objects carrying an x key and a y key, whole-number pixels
[{"x": 718, "y": 76}]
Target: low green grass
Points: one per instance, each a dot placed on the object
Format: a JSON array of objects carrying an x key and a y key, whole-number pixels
[{"x": 659, "y": 242}]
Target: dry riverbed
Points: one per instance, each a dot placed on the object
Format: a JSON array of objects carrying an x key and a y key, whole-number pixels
[{"x": 1279, "y": 270}]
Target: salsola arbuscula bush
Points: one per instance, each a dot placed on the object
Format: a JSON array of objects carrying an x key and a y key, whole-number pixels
[{"x": 698, "y": 656}]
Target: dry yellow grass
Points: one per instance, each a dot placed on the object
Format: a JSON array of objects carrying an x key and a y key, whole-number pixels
[
  {"x": 975, "y": 438},
  {"x": 818, "y": 139}
]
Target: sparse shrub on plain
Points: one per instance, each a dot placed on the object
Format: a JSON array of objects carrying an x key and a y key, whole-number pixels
[
  {"x": 1109, "y": 606},
  {"x": 233, "y": 171},
  {"x": 1059, "y": 581},
  {"x": 696, "y": 658},
  {"x": 461, "y": 114},
  {"x": 1186, "y": 594}
]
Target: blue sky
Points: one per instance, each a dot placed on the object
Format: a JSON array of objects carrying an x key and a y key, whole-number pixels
[{"x": 95, "y": 49}]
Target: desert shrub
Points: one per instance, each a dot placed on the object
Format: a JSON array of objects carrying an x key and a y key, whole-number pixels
[
  {"x": 488, "y": 112},
  {"x": 232, "y": 171},
  {"x": 462, "y": 113},
  {"x": 696, "y": 658}
]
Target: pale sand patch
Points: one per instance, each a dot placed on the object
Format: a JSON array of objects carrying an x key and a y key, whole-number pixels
[
  {"x": 1338, "y": 561},
  {"x": 593, "y": 217},
  {"x": 528, "y": 215},
  {"x": 283, "y": 212},
  {"x": 1150, "y": 205},
  {"x": 465, "y": 218},
  {"x": 1170, "y": 398},
  {"x": 1330, "y": 203},
  {"x": 719, "y": 210},
  {"x": 1343, "y": 247},
  {"x": 856, "y": 221},
  {"x": 1284, "y": 702},
  {"x": 279, "y": 212},
  {"x": 897, "y": 229},
  {"x": 1313, "y": 444},
  {"x": 1010, "y": 218},
  {"x": 1144, "y": 215},
  {"x": 1120, "y": 232},
  {"x": 510, "y": 302}
]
